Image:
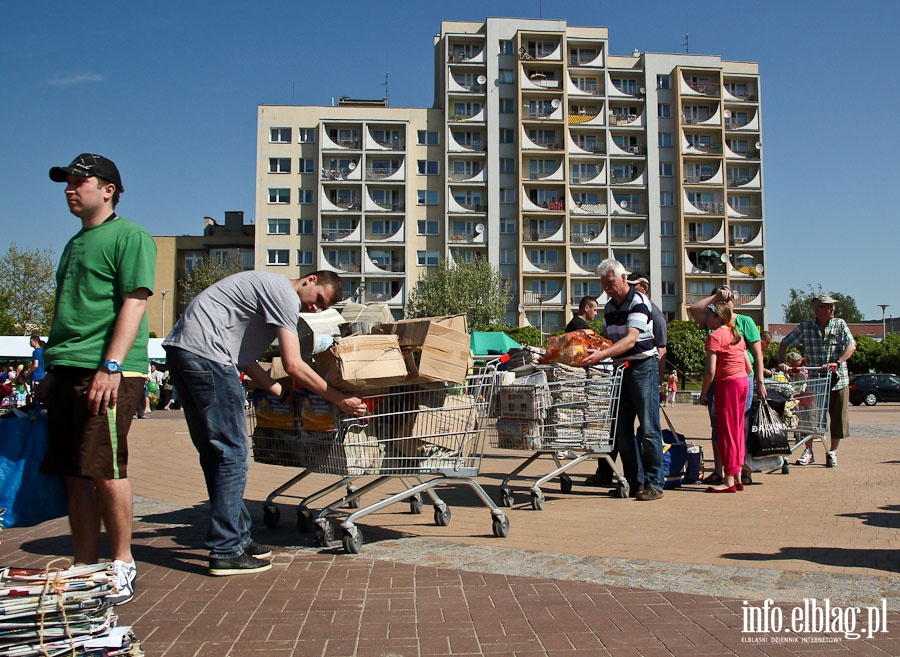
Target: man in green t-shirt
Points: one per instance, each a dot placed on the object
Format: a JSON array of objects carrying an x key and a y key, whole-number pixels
[
  {"x": 96, "y": 360},
  {"x": 749, "y": 331}
]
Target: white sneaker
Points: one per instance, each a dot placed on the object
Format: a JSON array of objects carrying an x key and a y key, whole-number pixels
[
  {"x": 830, "y": 460},
  {"x": 123, "y": 583},
  {"x": 806, "y": 458}
]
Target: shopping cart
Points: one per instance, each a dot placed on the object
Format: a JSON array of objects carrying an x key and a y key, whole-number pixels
[
  {"x": 805, "y": 392},
  {"x": 570, "y": 410},
  {"x": 424, "y": 435}
]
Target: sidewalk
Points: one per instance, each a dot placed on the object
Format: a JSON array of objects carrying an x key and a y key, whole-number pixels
[{"x": 588, "y": 575}]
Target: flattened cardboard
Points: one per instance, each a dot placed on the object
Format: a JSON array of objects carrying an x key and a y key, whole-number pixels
[{"x": 435, "y": 348}]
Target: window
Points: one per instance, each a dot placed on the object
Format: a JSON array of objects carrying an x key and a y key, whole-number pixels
[
  {"x": 306, "y": 196},
  {"x": 507, "y": 165},
  {"x": 662, "y": 82},
  {"x": 667, "y": 258},
  {"x": 428, "y": 167},
  {"x": 665, "y": 169},
  {"x": 279, "y": 226},
  {"x": 426, "y": 227},
  {"x": 668, "y": 288},
  {"x": 464, "y": 110},
  {"x": 386, "y": 227},
  {"x": 307, "y": 135},
  {"x": 427, "y": 138},
  {"x": 279, "y": 195},
  {"x": 664, "y": 111},
  {"x": 192, "y": 259},
  {"x": 667, "y": 228},
  {"x": 507, "y": 136},
  {"x": 583, "y": 289},
  {"x": 428, "y": 258},
  {"x": 507, "y": 47},
  {"x": 427, "y": 197},
  {"x": 507, "y": 106},
  {"x": 304, "y": 226},
  {"x": 625, "y": 86},
  {"x": 507, "y": 196},
  {"x": 304, "y": 258},
  {"x": 507, "y": 227},
  {"x": 666, "y": 199},
  {"x": 506, "y": 76},
  {"x": 277, "y": 257},
  {"x": 307, "y": 166},
  {"x": 507, "y": 256},
  {"x": 280, "y": 135},
  {"x": 279, "y": 165}
]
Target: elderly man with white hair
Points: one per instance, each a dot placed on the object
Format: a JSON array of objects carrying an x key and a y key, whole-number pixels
[{"x": 628, "y": 323}]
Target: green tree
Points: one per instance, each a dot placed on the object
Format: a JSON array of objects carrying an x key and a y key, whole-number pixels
[
  {"x": 798, "y": 307},
  {"x": 472, "y": 287},
  {"x": 867, "y": 356},
  {"x": 890, "y": 357},
  {"x": 524, "y": 335},
  {"x": 210, "y": 270},
  {"x": 686, "y": 346},
  {"x": 27, "y": 290}
]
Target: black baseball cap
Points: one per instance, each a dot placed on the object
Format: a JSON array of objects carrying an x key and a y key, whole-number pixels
[{"x": 87, "y": 165}]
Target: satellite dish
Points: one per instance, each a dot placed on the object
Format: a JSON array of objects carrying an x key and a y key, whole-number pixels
[
  {"x": 643, "y": 91},
  {"x": 479, "y": 228},
  {"x": 521, "y": 308},
  {"x": 554, "y": 103},
  {"x": 481, "y": 79},
  {"x": 351, "y": 166},
  {"x": 758, "y": 145},
  {"x": 623, "y": 204},
  {"x": 727, "y": 114},
  {"x": 374, "y": 261},
  {"x": 759, "y": 269},
  {"x": 724, "y": 257}
]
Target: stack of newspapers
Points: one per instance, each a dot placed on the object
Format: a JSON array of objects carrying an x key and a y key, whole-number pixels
[{"x": 61, "y": 612}]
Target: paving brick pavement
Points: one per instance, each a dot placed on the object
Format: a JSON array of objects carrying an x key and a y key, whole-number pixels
[{"x": 588, "y": 575}]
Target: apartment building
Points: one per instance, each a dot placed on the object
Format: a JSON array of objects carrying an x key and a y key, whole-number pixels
[{"x": 543, "y": 153}]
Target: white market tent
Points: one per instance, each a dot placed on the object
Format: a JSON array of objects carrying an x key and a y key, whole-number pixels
[{"x": 16, "y": 347}]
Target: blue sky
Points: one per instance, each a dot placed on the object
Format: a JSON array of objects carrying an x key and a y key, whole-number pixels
[{"x": 169, "y": 90}]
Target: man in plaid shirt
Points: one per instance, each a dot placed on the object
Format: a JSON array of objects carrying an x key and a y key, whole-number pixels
[{"x": 826, "y": 342}]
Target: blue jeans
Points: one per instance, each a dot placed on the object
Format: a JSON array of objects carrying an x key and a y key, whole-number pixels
[
  {"x": 212, "y": 398},
  {"x": 642, "y": 464}
]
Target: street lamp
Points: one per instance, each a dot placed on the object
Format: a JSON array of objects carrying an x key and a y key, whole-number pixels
[
  {"x": 162, "y": 321},
  {"x": 883, "y": 306}
]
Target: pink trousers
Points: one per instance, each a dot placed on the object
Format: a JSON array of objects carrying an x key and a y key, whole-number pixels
[{"x": 731, "y": 399}]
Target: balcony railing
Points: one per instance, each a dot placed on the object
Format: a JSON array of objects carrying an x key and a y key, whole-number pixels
[
  {"x": 694, "y": 237},
  {"x": 544, "y": 83},
  {"x": 579, "y": 60},
  {"x": 749, "y": 211},
  {"x": 549, "y": 145},
  {"x": 706, "y": 88},
  {"x": 618, "y": 118},
  {"x": 707, "y": 148},
  {"x": 397, "y": 206},
  {"x": 474, "y": 207},
  {"x": 462, "y": 177},
  {"x": 582, "y": 238},
  {"x": 714, "y": 207},
  {"x": 743, "y": 95},
  {"x": 734, "y": 124},
  {"x": 530, "y": 113},
  {"x": 346, "y": 205},
  {"x": 335, "y": 174},
  {"x": 460, "y": 58},
  {"x": 393, "y": 144},
  {"x": 345, "y": 266},
  {"x": 592, "y": 88},
  {"x": 634, "y": 150},
  {"x": 472, "y": 146},
  {"x": 596, "y": 149},
  {"x": 347, "y": 143},
  {"x": 584, "y": 176},
  {"x": 379, "y": 174},
  {"x": 624, "y": 238},
  {"x": 550, "y": 267},
  {"x": 737, "y": 181},
  {"x": 551, "y": 205},
  {"x": 536, "y": 235},
  {"x": 334, "y": 234},
  {"x": 695, "y": 179},
  {"x": 620, "y": 180},
  {"x": 694, "y": 120}
]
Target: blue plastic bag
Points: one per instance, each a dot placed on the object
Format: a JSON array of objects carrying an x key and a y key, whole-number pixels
[
  {"x": 675, "y": 456},
  {"x": 29, "y": 497}
]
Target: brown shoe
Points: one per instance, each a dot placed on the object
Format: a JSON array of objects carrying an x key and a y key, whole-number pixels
[{"x": 649, "y": 494}]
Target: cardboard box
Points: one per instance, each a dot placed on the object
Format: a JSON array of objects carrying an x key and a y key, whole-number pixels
[
  {"x": 519, "y": 434},
  {"x": 449, "y": 427},
  {"x": 435, "y": 348},
  {"x": 362, "y": 362}
]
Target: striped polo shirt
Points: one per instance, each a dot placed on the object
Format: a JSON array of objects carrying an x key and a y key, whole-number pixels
[{"x": 634, "y": 312}]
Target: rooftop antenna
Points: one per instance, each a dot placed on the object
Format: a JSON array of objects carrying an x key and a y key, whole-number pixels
[
  {"x": 687, "y": 43},
  {"x": 387, "y": 86}
]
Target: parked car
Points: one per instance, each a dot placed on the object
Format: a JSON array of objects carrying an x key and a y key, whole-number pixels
[{"x": 869, "y": 389}]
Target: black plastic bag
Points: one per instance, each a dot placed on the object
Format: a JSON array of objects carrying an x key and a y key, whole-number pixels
[{"x": 768, "y": 433}]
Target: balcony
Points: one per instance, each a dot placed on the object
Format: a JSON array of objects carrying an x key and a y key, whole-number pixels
[
  {"x": 381, "y": 173},
  {"x": 466, "y": 58},
  {"x": 384, "y": 206},
  {"x": 751, "y": 211},
  {"x": 696, "y": 179},
  {"x": 705, "y": 88},
  {"x": 336, "y": 234}
]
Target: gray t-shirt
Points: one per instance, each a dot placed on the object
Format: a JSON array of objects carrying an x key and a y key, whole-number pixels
[{"x": 234, "y": 321}]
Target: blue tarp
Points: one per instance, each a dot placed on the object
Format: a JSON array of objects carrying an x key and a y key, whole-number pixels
[{"x": 483, "y": 342}]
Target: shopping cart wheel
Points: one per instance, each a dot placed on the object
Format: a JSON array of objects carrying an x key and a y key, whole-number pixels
[
  {"x": 442, "y": 516},
  {"x": 415, "y": 504},
  {"x": 324, "y": 533},
  {"x": 271, "y": 516},
  {"x": 537, "y": 500},
  {"x": 352, "y": 540},
  {"x": 305, "y": 522},
  {"x": 565, "y": 483},
  {"x": 623, "y": 490},
  {"x": 506, "y": 496},
  {"x": 501, "y": 526},
  {"x": 785, "y": 466}
]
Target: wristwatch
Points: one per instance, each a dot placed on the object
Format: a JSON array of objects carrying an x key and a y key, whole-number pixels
[{"x": 111, "y": 366}]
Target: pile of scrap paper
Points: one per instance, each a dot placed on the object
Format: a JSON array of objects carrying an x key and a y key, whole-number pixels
[{"x": 61, "y": 612}]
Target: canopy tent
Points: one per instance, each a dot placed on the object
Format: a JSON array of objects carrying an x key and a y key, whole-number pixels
[
  {"x": 483, "y": 342},
  {"x": 17, "y": 347}
]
